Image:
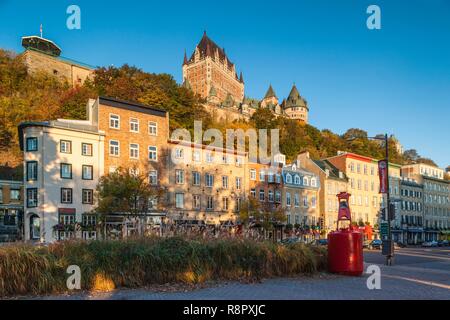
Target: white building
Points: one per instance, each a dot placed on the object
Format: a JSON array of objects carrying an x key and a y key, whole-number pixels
[
  {"x": 63, "y": 160},
  {"x": 422, "y": 169}
]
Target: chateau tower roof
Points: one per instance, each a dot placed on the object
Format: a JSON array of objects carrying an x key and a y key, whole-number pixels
[
  {"x": 208, "y": 48},
  {"x": 295, "y": 99},
  {"x": 270, "y": 93}
]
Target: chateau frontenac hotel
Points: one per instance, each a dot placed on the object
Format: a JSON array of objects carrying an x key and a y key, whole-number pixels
[
  {"x": 210, "y": 74},
  {"x": 64, "y": 161}
]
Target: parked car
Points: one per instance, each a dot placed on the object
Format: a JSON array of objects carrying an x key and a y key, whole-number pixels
[
  {"x": 443, "y": 243},
  {"x": 430, "y": 244},
  {"x": 322, "y": 242},
  {"x": 375, "y": 244},
  {"x": 289, "y": 241},
  {"x": 399, "y": 244},
  {"x": 366, "y": 244}
]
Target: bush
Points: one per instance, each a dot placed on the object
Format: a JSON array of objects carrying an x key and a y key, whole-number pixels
[{"x": 106, "y": 265}]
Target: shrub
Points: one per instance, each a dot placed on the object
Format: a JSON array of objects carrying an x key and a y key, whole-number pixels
[{"x": 106, "y": 265}]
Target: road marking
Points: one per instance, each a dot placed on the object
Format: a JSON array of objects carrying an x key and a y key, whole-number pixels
[
  {"x": 423, "y": 256},
  {"x": 429, "y": 283}
]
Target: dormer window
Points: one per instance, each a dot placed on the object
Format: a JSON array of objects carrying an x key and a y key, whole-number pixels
[
  {"x": 305, "y": 181},
  {"x": 297, "y": 180},
  {"x": 288, "y": 178}
]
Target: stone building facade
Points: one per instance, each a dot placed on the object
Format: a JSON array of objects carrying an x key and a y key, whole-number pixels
[
  {"x": 209, "y": 69},
  {"x": 43, "y": 55}
]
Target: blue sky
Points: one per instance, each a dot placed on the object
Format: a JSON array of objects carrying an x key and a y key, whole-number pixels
[{"x": 394, "y": 80}]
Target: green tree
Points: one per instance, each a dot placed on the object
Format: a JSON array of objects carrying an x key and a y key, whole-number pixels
[{"x": 122, "y": 192}]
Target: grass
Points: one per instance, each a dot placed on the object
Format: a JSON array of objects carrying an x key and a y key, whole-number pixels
[{"x": 106, "y": 265}]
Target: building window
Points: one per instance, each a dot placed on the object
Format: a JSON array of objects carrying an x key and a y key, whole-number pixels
[
  {"x": 252, "y": 174},
  {"x": 87, "y": 172},
  {"x": 209, "y": 157},
  {"x": 86, "y": 149},
  {"x": 14, "y": 195},
  {"x": 209, "y": 180},
  {"x": 296, "y": 180},
  {"x": 195, "y": 178},
  {"x": 262, "y": 195},
  {"x": 209, "y": 203},
  {"x": 262, "y": 176},
  {"x": 134, "y": 151},
  {"x": 32, "y": 144},
  {"x": 114, "y": 121},
  {"x": 238, "y": 204},
  {"x": 152, "y": 128},
  {"x": 305, "y": 201},
  {"x": 277, "y": 196},
  {"x": 134, "y": 125},
  {"x": 66, "y": 171},
  {"x": 305, "y": 181},
  {"x": 196, "y": 156},
  {"x": 288, "y": 199},
  {"x": 225, "y": 182},
  {"x": 238, "y": 183},
  {"x": 179, "y": 200},
  {"x": 32, "y": 171},
  {"x": 196, "y": 202},
  {"x": 313, "y": 182},
  {"x": 179, "y": 176},
  {"x": 225, "y": 203},
  {"x": 66, "y": 195},
  {"x": 296, "y": 200},
  {"x": 88, "y": 196},
  {"x": 153, "y": 177},
  {"x": 152, "y": 153},
  {"x": 89, "y": 220},
  {"x": 65, "y": 146},
  {"x": 288, "y": 178},
  {"x": 253, "y": 193},
  {"x": 271, "y": 198},
  {"x": 32, "y": 197},
  {"x": 114, "y": 148},
  {"x": 313, "y": 202},
  {"x": 179, "y": 153}
]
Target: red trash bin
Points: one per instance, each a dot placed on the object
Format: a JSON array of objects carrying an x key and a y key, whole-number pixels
[{"x": 345, "y": 245}]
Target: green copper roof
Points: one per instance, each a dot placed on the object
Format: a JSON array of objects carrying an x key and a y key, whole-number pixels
[
  {"x": 294, "y": 99},
  {"x": 270, "y": 93}
]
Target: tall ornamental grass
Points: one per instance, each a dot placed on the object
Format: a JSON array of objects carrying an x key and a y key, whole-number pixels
[{"x": 106, "y": 265}]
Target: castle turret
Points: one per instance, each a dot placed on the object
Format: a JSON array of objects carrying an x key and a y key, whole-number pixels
[
  {"x": 295, "y": 106},
  {"x": 270, "y": 99}
]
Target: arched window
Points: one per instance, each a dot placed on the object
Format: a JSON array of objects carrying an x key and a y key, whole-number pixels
[
  {"x": 305, "y": 181},
  {"x": 288, "y": 178}
]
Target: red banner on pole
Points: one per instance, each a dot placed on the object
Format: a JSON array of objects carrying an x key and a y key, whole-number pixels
[{"x": 382, "y": 173}]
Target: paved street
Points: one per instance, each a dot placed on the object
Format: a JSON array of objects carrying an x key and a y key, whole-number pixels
[{"x": 418, "y": 273}]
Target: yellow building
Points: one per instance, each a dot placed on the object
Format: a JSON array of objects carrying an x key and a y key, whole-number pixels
[{"x": 363, "y": 185}]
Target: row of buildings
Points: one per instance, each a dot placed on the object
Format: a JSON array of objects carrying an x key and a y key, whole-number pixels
[{"x": 64, "y": 160}]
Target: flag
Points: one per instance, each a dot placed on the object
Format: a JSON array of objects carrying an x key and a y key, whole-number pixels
[
  {"x": 382, "y": 173},
  {"x": 40, "y": 29}
]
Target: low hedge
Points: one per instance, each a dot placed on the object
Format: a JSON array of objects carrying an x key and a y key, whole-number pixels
[{"x": 106, "y": 265}]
